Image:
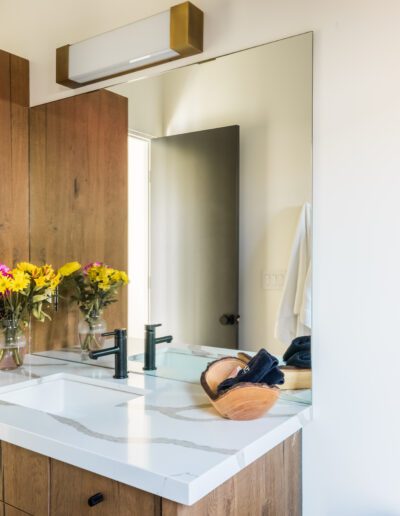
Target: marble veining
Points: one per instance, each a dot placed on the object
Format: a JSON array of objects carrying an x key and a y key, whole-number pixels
[
  {"x": 168, "y": 441},
  {"x": 177, "y": 412},
  {"x": 138, "y": 440}
]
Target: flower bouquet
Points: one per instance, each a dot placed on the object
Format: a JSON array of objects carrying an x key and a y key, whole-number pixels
[
  {"x": 24, "y": 291},
  {"x": 94, "y": 286}
]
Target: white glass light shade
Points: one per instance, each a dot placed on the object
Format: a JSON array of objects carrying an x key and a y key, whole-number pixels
[
  {"x": 166, "y": 36},
  {"x": 142, "y": 42}
]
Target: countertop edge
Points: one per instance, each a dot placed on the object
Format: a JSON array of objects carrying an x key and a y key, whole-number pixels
[
  {"x": 166, "y": 487},
  {"x": 200, "y": 486}
]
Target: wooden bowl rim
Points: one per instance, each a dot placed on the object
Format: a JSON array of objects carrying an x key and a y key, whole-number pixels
[{"x": 215, "y": 396}]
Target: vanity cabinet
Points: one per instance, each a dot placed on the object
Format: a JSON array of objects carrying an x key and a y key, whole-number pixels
[
  {"x": 36, "y": 485},
  {"x": 270, "y": 486},
  {"x": 26, "y": 479},
  {"x": 72, "y": 488}
]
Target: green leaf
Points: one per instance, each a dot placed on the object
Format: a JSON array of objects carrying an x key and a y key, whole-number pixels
[{"x": 39, "y": 297}]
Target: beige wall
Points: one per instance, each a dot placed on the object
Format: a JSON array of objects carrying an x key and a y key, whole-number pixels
[
  {"x": 145, "y": 105},
  {"x": 351, "y": 451},
  {"x": 267, "y": 91}
]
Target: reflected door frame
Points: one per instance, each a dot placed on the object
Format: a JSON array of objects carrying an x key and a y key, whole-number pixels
[{"x": 138, "y": 231}]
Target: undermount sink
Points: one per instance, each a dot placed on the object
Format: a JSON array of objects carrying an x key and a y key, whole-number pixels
[
  {"x": 184, "y": 364},
  {"x": 68, "y": 395}
]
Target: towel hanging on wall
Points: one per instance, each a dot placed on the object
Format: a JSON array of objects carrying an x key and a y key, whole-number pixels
[{"x": 294, "y": 313}]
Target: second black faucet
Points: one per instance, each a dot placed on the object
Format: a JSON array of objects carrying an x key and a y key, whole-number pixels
[{"x": 150, "y": 342}]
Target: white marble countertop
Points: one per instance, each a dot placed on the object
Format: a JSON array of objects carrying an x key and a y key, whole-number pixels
[{"x": 168, "y": 441}]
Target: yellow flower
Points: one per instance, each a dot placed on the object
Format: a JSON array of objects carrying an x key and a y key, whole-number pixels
[
  {"x": 69, "y": 268},
  {"x": 47, "y": 271},
  {"x": 55, "y": 282},
  {"x": 103, "y": 275},
  {"x": 5, "y": 284},
  {"x": 93, "y": 273},
  {"x": 41, "y": 281},
  {"x": 20, "y": 280},
  {"x": 122, "y": 276},
  {"x": 106, "y": 277},
  {"x": 27, "y": 267},
  {"x": 36, "y": 273}
]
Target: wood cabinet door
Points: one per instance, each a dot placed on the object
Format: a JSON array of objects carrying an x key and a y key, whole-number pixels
[
  {"x": 14, "y": 158},
  {"x": 72, "y": 488},
  {"x": 8, "y": 510},
  {"x": 1, "y": 476},
  {"x": 26, "y": 479},
  {"x": 270, "y": 486}
]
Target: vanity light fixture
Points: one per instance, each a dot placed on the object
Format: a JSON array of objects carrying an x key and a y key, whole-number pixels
[{"x": 164, "y": 37}]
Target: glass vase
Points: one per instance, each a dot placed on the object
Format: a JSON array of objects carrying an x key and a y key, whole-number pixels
[
  {"x": 12, "y": 344},
  {"x": 90, "y": 330}
]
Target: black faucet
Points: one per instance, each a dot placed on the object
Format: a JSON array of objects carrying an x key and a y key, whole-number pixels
[
  {"x": 120, "y": 350},
  {"x": 150, "y": 342}
]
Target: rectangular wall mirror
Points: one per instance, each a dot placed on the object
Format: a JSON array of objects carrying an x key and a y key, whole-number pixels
[
  {"x": 201, "y": 178},
  {"x": 220, "y": 187}
]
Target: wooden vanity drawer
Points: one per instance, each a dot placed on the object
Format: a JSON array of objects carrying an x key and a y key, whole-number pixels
[
  {"x": 72, "y": 487},
  {"x": 26, "y": 480}
]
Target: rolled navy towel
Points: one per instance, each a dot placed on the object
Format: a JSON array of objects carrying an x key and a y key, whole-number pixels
[
  {"x": 298, "y": 344},
  {"x": 301, "y": 359},
  {"x": 262, "y": 368}
]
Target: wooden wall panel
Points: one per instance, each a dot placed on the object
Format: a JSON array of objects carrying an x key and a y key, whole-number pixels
[
  {"x": 14, "y": 156},
  {"x": 78, "y": 195}
]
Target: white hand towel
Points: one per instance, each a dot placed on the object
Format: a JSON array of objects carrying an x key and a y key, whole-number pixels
[{"x": 294, "y": 314}]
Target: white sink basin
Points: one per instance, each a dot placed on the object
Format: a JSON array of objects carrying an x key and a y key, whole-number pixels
[{"x": 68, "y": 395}]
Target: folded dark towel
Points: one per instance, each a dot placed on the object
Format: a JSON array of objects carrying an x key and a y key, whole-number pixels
[
  {"x": 262, "y": 368},
  {"x": 298, "y": 344},
  {"x": 300, "y": 359}
]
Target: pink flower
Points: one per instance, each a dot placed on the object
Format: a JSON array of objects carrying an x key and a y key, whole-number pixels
[
  {"x": 4, "y": 270},
  {"x": 90, "y": 265}
]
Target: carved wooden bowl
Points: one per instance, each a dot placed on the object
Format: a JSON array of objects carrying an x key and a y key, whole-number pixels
[{"x": 242, "y": 402}]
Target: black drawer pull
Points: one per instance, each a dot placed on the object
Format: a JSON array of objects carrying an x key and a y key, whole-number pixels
[{"x": 95, "y": 499}]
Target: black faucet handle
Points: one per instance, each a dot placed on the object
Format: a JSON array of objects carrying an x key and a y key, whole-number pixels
[
  {"x": 113, "y": 333},
  {"x": 152, "y": 327},
  {"x": 108, "y": 334}
]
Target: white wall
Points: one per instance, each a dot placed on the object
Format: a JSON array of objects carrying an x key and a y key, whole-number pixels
[
  {"x": 145, "y": 108},
  {"x": 352, "y": 451},
  {"x": 267, "y": 91}
]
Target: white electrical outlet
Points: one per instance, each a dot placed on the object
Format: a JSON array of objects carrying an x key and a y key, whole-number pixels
[{"x": 273, "y": 280}]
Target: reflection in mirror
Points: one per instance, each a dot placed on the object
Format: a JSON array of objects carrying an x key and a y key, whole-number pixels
[{"x": 220, "y": 175}]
